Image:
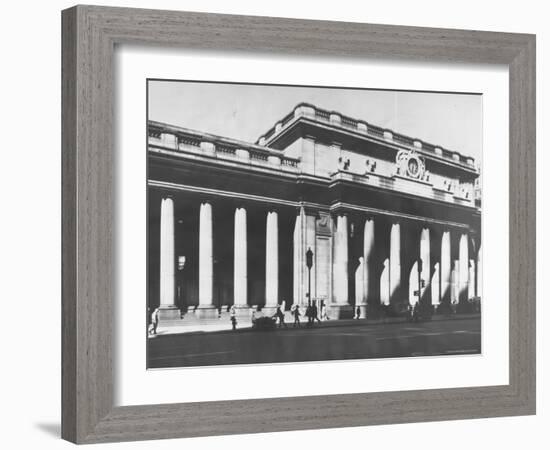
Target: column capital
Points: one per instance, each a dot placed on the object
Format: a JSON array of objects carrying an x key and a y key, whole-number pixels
[
  {"x": 342, "y": 213},
  {"x": 210, "y": 200}
]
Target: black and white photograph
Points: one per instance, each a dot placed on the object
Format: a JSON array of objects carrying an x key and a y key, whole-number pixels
[
  {"x": 242, "y": 225},
  {"x": 291, "y": 224}
]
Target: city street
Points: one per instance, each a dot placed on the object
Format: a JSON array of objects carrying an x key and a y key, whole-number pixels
[{"x": 326, "y": 341}]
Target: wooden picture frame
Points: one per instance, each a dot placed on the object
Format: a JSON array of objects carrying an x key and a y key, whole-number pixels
[{"x": 90, "y": 34}]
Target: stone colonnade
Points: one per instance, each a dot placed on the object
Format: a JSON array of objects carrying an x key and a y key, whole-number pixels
[{"x": 433, "y": 278}]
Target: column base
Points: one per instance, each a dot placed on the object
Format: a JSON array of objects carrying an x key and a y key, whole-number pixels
[
  {"x": 243, "y": 311},
  {"x": 269, "y": 310},
  {"x": 206, "y": 312},
  {"x": 169, "y": 313},
  {"x": 336, "y": 312}
]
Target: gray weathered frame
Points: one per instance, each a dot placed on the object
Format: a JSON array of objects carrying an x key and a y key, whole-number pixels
[{"x": 89, "y": 36}]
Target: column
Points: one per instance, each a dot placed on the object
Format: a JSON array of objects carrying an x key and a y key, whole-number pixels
[
  {"x": 369, "y": 286},
  {"x": 206, "y": 262},
  {"x": 240, "y": 278},
  {"x": 455, "y": 281},
  {"x": 167, "y": 259},
  {"x": 341, "y": 261},
  {"x": 272, "y": 262},
  {"x": 445, "y": 267},
  {"x": 395, "y": 262},
  {"x": 425, "y": 273},
  {"x": 310, "y": 242},
  {"x": 479, "y": 280},
  {"x": 385, "y": 283},
  {"x": 298, "y": 260},
  {"x": 463, "y": 269},
  {"x": 472, "y": 279},
  {"x": 359, "y": 288},
  {"x": 436, "y": 293},
  {"x": 414, "y": 286}
]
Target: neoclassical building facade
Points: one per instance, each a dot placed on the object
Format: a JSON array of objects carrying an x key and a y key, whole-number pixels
[{"x": 390, "y": 220}]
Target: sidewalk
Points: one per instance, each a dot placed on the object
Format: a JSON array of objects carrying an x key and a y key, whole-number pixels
[{"x": 193, "y": 325}]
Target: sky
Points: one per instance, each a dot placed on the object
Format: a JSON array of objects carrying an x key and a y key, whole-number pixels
[{"x": 247, "y": 111}]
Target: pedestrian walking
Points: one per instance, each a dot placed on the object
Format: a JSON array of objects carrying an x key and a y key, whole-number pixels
[
  {"x": 296, "y": 314},
  {"x": 281, "y": 316},
  {"x": 309, "y": 315},
  {"x": 154, "y": 321},
  {"x": 233, "y": 315},
  {"x": 315, "y": 313},
  {"x": 324, "y": 316}
]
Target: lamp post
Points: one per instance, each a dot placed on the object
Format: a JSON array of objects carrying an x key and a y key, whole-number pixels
[
  {"x": 419, "y": 280},
  {"x": 181, "y": 265},
  {"x": 421, "y": 284},
  {"x": 309, "y": 264}
]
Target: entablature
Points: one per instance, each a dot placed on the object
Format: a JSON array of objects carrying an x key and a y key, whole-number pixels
[{"x": 311, "y": 207}]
